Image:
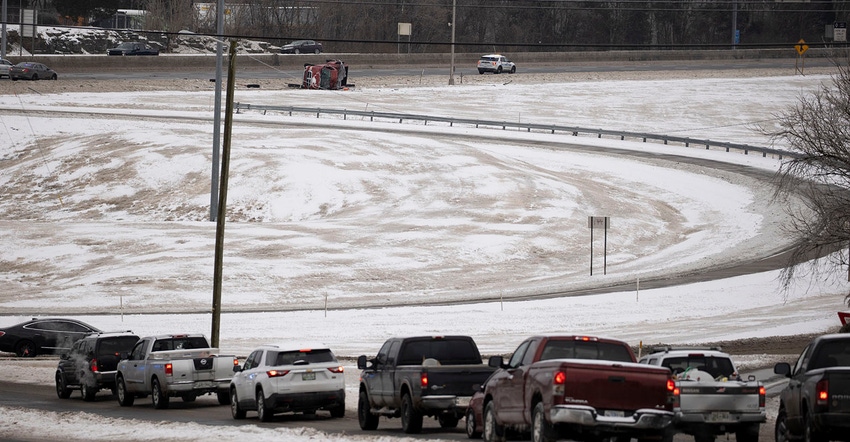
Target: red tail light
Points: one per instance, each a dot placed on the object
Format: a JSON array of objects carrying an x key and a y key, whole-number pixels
[
  {"x": 822, "y": 393},
  {"x": 423, "y": 380},
  {"x": 671, "y": 385},
  {"x": 277, "y": 373},
  {"x": 560, "y": 378},
  {"x": 235, "y": 362},
  {"x": 339, "y": 369},
  {"x": 762, "y": 393},
  {"x": 93, "y": 365},
  {"x": 169, "y": 370}
]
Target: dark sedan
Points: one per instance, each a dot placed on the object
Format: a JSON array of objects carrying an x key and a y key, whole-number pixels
[
  {"x": 43, "y": 336},
  {"x": 302, "y": 47},
  {"x": 133, "y": 48},
  {"x": 31, "y": 71}
]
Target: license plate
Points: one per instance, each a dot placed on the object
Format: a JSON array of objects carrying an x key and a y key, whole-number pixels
[
  {"x": 308, "y": 376},
  {"x": 719, "y": 416},
  {"x": 462, "y": 401},
  {"x": 615, "y": 413}
]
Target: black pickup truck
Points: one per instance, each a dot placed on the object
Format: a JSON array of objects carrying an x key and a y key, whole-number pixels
[
  {"x": 815, "y": 406},
  {"x": 421, "y": 376}
]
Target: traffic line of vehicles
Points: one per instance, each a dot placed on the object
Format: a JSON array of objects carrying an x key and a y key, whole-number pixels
[{"x": 551, "y": 387}]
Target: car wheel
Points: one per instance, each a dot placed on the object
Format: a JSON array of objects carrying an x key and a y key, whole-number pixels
[
  {"x": 158, "y": 398},
  {"x": 780, "y": 431},
  {"x": 541, "y": 429},
  {"x": 223, "y": 397},
  {"x": 61, "y": 388},
  {"x": 88, "y": 392},
  {"x": 26, "y": 349},
  {"x": 749, "y": 433},
  {"x": 513, "y": 69},
  {"x": 471, "y": 431},
  {"x": 493, "y": 432},
  {"x": 338, "y": 412},
  {"x": 481, "y": 71},
  {"x": 317, "y": 52},
  {"x": 54, "y": 77},
  {"x": 448, "y": 421},
  {"x": 235, "y": 410},
  {"x": 264, "y": 414},
  {"x": 499, "y": 70},
  {"x": 297, "y": 51},
  {"x": 411, "y": 418},
  {"x": 125, "y": 399},
  {"x": 811, "y": 434},
  {"x": 368, "y": 421},
  {"x": 34, "y": 77}
]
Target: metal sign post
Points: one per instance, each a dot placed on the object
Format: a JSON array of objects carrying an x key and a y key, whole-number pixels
[{"x": 599, "y": 222}]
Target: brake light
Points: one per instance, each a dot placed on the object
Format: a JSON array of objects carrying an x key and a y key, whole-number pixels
[
  {"x": 762, "y": 393},
  {"x": 671, "y": 385},
  {"x": 93, "y": 365},
  {"x": 305, "y": 350},
  {"x": 2, "y": 333},
  {"x": 277, "y": 373},
  {"x": 423, "y": 380},
  {"x": 560, "y": 378},
  {"x": 822, "y": 393},
  {"x": 339, "y": 369},
  {"x": 586, "y": 338},
  {"x": 235, "y": 362},
  {"x": 169, "y": 370},
  {"x": 558, "y": 381}
]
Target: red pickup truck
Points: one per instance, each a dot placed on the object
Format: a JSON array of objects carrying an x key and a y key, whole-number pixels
[{"x": 577, "y": 387}]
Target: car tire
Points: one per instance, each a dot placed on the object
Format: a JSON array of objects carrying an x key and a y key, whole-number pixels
[
  {"x": 125, "y": 398},
  {"x": 26, "y": 349},
  {"x": 411, "y": 418},
  {"x": 158, "y": 397},
  {"x": 367, "y": 420},
  {"x": 338, "y": 412},
  {"x": 264, "y": 414},
  {"x": 448, "y": 421},
  {"x": 235, "y": 410},
  {"x": 493, "y": 432},
  {"x": 780, "y": 430},
  {"x": 296, "y": 51},
  {"x": 747, "y": 433},
  {"x": 481, "y": 71},
  {"x": 471, "y": 431},
  {"x": 62, "y": 389},
  {"x": 811, "y": 434},
  {"x": 317, "y": 52},
  {"x": 513, "y": 69},
  {"x": 88, "y": 392},
  {"x": 499, "y": 70},
  {"x": 541, "y": 429},
  {"x": 223, "y": 397},
  {"x": 54, "y": 77}
]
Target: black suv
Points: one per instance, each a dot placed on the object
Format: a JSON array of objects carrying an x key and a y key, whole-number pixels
[{"x": 91, "y": 363}]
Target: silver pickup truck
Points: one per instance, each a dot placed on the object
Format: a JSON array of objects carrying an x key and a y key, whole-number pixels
[
  {"x": 713, "y": 399},
  {"x": 168, "y": 366}
]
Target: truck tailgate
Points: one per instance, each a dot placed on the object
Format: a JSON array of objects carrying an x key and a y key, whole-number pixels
[
  {"x": 718, "y": 396},
  {"x": 839, "y": 389},
  {"x": 616, "y": 386},
  {"x": 455, "y": 380}
]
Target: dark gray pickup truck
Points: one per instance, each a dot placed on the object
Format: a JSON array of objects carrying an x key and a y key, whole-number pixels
[
  {"x": 420, "y": 376},
  {"x": 815, "y": 406}
]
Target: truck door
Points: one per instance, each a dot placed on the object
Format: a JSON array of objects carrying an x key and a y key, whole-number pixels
[
  {"x": 245, "y": 380},
  {"x": 389, "y": 355},
  {"x": 134, "y": 370},
  {"x": 510, "y": 388},
  {"x": 793, "y": 402}
]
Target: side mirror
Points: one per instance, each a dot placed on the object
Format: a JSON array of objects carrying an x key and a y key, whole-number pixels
[
  {"x": 751, "y": 378},
  {"x": 361, "y": 362},
  {"x": 64, "y": 356},
  {"x": 124, "y": 355},
  {"x": 237, "y": 368},
  {"x": 782, "y": 368},
  {"x": 495, "y": 361}
]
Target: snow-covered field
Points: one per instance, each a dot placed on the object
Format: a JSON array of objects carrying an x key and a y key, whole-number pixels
[{"x": 104, "y": 200}]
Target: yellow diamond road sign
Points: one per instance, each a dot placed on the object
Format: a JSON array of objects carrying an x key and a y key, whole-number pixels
[{"x": 801, "y": 46}]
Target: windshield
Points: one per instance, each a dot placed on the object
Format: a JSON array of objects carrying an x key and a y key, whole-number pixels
[{"x": 564, "y": 349}]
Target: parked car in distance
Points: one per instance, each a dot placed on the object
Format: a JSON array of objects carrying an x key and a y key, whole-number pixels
[
  {"x": 29, "y": 70},
  {"x": 133, "y": 48},
  {"x": 5, "y": 65},
  {"x": 302, "y": 47},
  {"x": 288, "y": 378},
  {"x": 90, "y": 364},
  {"x": 43, "y": 336},
  {"x": 496, "y": 64}
]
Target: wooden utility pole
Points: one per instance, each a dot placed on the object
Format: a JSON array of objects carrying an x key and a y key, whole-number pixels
[{"x": 222, "y": 198}]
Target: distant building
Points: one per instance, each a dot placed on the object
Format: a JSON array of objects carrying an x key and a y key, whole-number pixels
[{"x": 123, "y": 19}]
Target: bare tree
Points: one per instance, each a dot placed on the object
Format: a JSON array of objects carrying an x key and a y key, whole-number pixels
[{"x": 818, "y": 130}]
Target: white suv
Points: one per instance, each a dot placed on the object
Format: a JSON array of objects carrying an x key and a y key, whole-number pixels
[
  {"x": 293, "y": 378},
  {"x": 496, "y": 64}
]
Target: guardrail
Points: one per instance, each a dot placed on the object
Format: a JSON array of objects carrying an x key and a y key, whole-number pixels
[{"x": 505, "y": 125}]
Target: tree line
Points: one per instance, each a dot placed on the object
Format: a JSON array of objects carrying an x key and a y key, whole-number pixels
[{"x": 480, "y": 25}]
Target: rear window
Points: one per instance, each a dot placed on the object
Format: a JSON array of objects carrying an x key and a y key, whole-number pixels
[
  {"x": 187, "y": 343},
  {"x": 717, "y": 367},
  {"x": 116, "y": 345},
  {"x": 831, "y": 354},
  {"x": 446, "y": 351},
  {"x": 301, "y": 357},
  {"x": 488, "y": 59},
  {"x": 563, "y": 349}
]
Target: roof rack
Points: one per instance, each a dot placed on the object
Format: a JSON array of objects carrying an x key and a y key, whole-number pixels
[{"x": 669, "y": 348}]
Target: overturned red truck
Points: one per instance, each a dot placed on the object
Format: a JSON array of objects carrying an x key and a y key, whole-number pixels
[{"x": 331, "y": 75}]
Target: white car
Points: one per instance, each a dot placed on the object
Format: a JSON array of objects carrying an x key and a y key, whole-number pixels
[
  {"x": 288, "y": 378},
  {"x": 496, "y": 64},
  {"x": 4, "y": 68}
]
